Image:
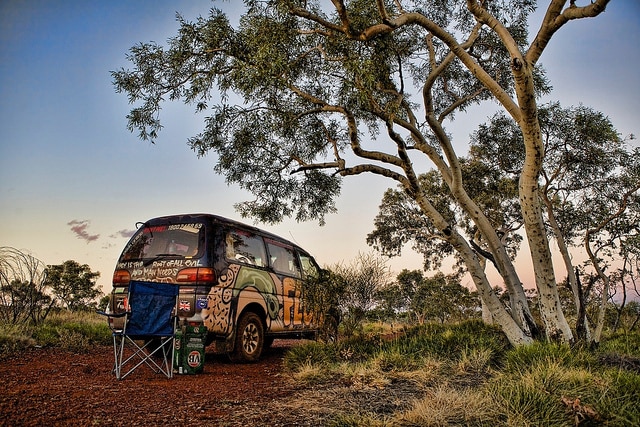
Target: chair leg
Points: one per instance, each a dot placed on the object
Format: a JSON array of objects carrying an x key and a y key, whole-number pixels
[{"x": 145, "y": 356}]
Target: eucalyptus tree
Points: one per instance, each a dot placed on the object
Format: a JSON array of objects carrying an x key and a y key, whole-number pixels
[
  {"x": 400, "y": 221},
  {"x": 589, "y": 190},
  {"x": 305, "y": 93}
]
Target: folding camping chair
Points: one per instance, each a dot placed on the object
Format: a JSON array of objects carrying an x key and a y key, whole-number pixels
[{"x": 148, "y": 334}]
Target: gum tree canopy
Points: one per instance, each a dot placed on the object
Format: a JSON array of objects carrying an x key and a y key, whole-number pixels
[{"x": 302, "y": 93}]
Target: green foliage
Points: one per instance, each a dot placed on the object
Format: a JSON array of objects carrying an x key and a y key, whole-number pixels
[
  {"x": 354, "y": 349},
  {"x": 74, "y": 285},
  {"x": 542, "y": 353},
  {"x": 14, "y": 338},
  {"x": 400, "y": 221},
  {"x": 77, "y": 332},
  {"x": 420, "y": 299},
  {"x": 471, "y": 376},
  {"x": 104, "y": 302},
  {"x": 627, "y": 344},
  {"x": 314, "y": 353},
  {"x": 299, "y": 78},
  {"x": 322, "y": 297},
  {"x": 551, "y": 384},
  {"x": 525, "y": 404},
  {"x": 343, "y": 295},
  {"x": 416, "y": 344},
  {"x": 589, "y": 192},
  {"x": 447, "y": 341}
]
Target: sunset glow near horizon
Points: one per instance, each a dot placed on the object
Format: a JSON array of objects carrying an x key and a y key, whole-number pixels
[{"x": 74, "y": 181}]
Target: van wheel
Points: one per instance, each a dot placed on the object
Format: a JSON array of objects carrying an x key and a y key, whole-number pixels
[{"x": 249, "y": 338}]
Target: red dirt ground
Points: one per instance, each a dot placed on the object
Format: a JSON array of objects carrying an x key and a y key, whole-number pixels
[{"x": 51, "y": 387}]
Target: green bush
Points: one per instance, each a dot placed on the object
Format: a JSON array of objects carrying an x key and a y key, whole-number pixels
[
  {"x": 407, "y": 350},
  {"x": 450, "y": 341},
  {"x": 521, "y": 403},
  {"x": 627, "y": 344},
  {"x": 541, "y": 353},
  {"x": 77, "y": 332},
  {"x": 619, "y": 401},
  {"x": 559, "y": 385},
  {"x": 14, "y": 338}
]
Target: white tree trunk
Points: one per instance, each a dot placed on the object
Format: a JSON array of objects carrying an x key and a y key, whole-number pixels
[
  {"x": 512, "y": 330},
  {"x": 486, "y": 314},
  {"x": 566, "y": 258},
  {"x": 556, "y": 325}
]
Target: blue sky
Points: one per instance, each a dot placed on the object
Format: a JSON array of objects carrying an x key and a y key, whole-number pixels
[{"x": 73, "y": 180}]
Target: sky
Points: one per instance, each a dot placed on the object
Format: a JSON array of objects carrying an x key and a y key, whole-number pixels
[{"x": 74, "y": 181}]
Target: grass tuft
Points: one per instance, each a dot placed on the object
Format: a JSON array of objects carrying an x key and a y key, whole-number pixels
[{"x": 444, "y": 406}]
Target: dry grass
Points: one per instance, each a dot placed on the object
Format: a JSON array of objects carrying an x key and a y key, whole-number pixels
[
  {"x": 445, "y": 406},
  {"x": 464, "y": 377}
]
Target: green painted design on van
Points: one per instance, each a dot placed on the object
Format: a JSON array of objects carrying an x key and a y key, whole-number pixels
[{"x": 262, "y": 281}]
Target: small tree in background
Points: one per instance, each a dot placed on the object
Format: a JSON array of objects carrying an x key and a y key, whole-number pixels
[
  {"x": 362, "y": 278},
  {"x": 440, "y": 297},
  {"x": 73, "y": 285}
]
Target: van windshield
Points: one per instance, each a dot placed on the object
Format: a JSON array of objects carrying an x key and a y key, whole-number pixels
[{"x": 171, "y": 240}]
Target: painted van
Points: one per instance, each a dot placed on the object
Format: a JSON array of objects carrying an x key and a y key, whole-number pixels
[{"x": 243, "y": 283}]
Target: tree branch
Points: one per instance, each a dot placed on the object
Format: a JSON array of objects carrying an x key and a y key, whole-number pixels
[{"x": 555, "y": 18}]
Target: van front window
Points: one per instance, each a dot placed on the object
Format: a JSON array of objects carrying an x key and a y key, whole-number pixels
[
  {"x": 309, "y": 267},
  {"x": 283, "y": 259},
  {"x": 180, "y": 240}
]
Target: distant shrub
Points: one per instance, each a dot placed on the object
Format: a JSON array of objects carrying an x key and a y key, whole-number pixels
[
  {"x": 14, "y": 338},
  {"x": 77, "y": 332}
]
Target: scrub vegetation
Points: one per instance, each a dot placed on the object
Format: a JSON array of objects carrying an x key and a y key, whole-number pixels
[
  {"x": 63, "y": 329},
  {"x": 468, "y": 374}
]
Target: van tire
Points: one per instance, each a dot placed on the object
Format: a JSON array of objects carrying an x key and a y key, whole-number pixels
[{"x": 249, "y": 338}]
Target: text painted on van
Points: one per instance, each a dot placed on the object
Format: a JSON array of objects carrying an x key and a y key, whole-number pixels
[
  {"x": 178, "y": 263},
  {"x": 161, "y": 270}
]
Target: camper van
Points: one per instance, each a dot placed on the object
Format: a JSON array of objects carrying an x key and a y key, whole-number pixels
[{"x": 243, "y": 284}]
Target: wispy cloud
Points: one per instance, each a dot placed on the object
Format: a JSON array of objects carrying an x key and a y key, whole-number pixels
[
  {"x": 79, "y": 227},
  {"x": 123, "y": 233}
]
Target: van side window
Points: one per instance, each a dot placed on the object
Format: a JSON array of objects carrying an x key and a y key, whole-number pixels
[
  {"x": 245, "y": 247},
  {"x": 283, "y": 259},
  {"x": 309, "y": 267}
]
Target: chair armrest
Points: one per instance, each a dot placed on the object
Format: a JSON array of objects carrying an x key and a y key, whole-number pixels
[{"x": 114, "y": 315}]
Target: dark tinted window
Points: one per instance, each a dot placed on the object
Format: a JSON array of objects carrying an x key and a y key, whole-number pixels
[
  {"x": 181, "y": 240},
  {"x": 309, "y": 266},
  {"x": 283, "y": 259},
  {"x": 245, "y": 247}
]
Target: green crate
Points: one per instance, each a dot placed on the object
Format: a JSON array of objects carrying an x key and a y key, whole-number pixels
[{"x": 189, "y": 351}]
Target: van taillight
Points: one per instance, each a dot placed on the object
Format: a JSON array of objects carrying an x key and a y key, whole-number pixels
[
  {"x": 121, "y": 277},
  {"x": 196, "y": 274}
]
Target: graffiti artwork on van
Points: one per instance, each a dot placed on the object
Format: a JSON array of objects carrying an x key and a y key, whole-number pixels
[
  {"x": 164, "y": 270},
  {"x": 279, "y": 298}
]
